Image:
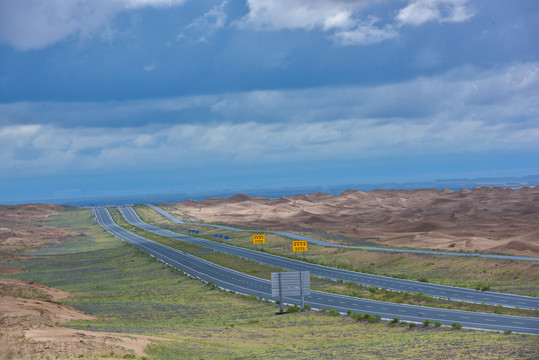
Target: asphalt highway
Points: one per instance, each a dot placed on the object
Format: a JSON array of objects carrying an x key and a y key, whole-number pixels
[
  {"x": 250, "y": 285},
  {"x": 440, "y": 291},
  {"x": 325, "y": 243}
]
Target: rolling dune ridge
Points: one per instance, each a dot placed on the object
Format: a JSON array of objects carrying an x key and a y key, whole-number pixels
[{"x": 485, "y": 219}]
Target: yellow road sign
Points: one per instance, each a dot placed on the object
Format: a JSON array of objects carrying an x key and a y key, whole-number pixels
[
  {"x": 259, "y": 239},
  {"x": 298, "y": 246}
]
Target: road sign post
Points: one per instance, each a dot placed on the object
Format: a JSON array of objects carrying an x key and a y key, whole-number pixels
[
  {"x": 299, "y": 246},
  {"x": 259, "y": 239},
  {"x": 281, "y": 293},
  {"x": 297, "y": 283}
]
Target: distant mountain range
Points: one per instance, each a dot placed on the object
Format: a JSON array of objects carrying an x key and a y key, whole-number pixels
[{"x": 451, "y": 184}]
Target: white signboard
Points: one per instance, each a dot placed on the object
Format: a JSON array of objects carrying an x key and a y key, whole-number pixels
[{"x": 291, "y": 283}]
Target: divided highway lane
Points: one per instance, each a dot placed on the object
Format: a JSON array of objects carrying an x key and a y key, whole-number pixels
[
  {"x": 250, "y": 285},
  {"x": 325, "y": 243},
  {"x": 454, "y": 293}
]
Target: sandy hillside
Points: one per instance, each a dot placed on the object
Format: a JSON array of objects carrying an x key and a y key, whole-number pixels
[
  {"x": 29, "y": 312},
  {"x": 486, "y": 218},
  {"x": 28, "y": 316},
  {"x": 21, "y": 226}
]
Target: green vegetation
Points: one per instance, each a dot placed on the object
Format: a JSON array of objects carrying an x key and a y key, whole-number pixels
[
  {"x": 91, "y": 236},
  {"x": 131, "y": 293},
  {"x": 374, "y": 293},
  {"x": 240, "y": 264},
  {"x": 338, "y": 287},
  {"x": 517, "y": 277},
  {"x": 177, "y": 244}
]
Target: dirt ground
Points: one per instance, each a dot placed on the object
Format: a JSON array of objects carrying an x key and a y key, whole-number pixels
[
  {"x": 486, "y": 218},
  {"x": 21, "y": 227},
  {"x": 29, "y": 314}
]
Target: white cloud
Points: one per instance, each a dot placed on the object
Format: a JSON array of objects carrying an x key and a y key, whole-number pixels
[
  {"x": 300, "y": 14},
  {"x": 56, "y": 150},
  {"x": 203, "y": 27},
  {"x": 419, "y": 12},
  {"x": 465, "y": 110},
  {"x": 365, "y": 34},
  {"x": 150, "y": 68},
  {"x": 344, "y": 19},
  {"x": 339, "y": 17},
  {"x": 36, "y": 24}
]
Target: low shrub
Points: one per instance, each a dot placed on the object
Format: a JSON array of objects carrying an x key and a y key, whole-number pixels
[
  {"x": 437, "y": 324},
  {"x": 333, "y": 312},
  {"x": 292, "y": 308},
  {"x": 426, "y": 323},
  {"x": 411, "y": 325},
  {"x": 456, "y": 326},
  {"x": 374, "y": 319}
]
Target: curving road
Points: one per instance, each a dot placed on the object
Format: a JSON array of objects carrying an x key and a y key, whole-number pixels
[
  {"x": 440, "y": 291},
  {"x": 250, "y": 285},
  {"x": 325, "y": 243}
]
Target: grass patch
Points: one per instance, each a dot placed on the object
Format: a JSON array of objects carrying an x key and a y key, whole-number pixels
[
  {"x": 91, "y": 236},
  {"x": 517, "y": 277},
  {"x": 133, "y": 294},
  {"x": 240, "y": 264},
  {"x": 174, "y": 243},
  {"x": 374, "y": 293},
  {"x": 349, "y": 288}
]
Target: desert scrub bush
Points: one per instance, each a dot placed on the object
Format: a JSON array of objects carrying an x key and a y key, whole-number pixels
[
  {"x": 437, "y": 324},
  {"x": 426, "y": 323},
  {"x": 292, "y": 308},
  {"x": 456, "y": 326},
  {"x": 411, "y": 325},
  {"x": 333, "y": 312},
  {"x": 372, "y": 319},
  {"x": 395, "y": 321}
]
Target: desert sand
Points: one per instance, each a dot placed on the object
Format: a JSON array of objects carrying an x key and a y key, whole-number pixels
[
  {"x": 28, "y": 316},
  {"x": 30, "y": 312},
  {"x": 490, "y": 219},
  {"x": 22, "y": 226}
]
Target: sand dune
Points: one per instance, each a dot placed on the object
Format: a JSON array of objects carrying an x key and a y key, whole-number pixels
[
  {"x": 27, "y": 220},
  {"x": 485, "y": 218},
  {"x": 29, "y": 313}
]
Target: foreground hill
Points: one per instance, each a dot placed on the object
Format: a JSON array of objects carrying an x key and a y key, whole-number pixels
[{"x": 485, "y": 219}]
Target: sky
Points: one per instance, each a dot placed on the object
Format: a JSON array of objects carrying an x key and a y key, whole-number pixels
[{"x": 119, "y": 97}]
